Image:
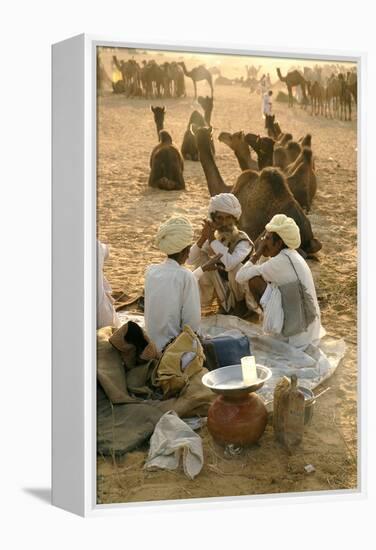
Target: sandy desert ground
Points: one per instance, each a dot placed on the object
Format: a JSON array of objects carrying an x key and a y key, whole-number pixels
[{"x": 129, "y": 213}]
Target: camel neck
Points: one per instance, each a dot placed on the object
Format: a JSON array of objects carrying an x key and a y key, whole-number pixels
[
  {"x": 214, "y": 180},
  {"x": 244, "y": 160}
]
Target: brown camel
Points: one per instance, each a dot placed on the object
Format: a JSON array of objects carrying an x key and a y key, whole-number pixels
[
  {"x": 263, "y": 147},
  {"x": 207, "y": 105},
  {"x": 237, "y": 143},
  {"x": 302, "y": 180},
  {"x": 260, "y": 195},
  {"x": 159, "y": 114},
  {"x": 293, "y": 150},
  {"x": 292, "y": 79},
  {"x": 131, "y": 73},
  {"x": 280, "y": 158},
  {"x": 197, "y": 74},
  {"x": 352, "y": 83},
  {"x": 270, "y": 126},
  {"x": 317, "y": 93},
  {"x": 332, "y": 96},
  {"x": 189, "y": 146},
  {"x": 344, "y": 97},
  {"x": 166, "y": 165},
  {"x": 178, "y": 83}
]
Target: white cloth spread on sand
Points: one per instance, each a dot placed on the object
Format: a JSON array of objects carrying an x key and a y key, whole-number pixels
[
  {"x": 174, "y": 439},
  {"x": 312, "y": 366},
  {"x": 106, "y": 314},
  {"x": 266, "y": 104},
  {"x": 278, "y": 270},
  {"x": 172, "y": 300}
]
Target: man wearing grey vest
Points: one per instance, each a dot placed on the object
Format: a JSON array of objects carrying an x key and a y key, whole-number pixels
[{"x": 220, "y": 235}]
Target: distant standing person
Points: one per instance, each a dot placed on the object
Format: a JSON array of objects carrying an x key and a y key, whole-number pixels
[
  {"x": 267, "y": 104},
  {"x": 262, "y": 83}
]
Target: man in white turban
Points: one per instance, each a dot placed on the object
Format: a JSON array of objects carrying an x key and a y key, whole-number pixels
[
  {"x": 282, "y": 265},
  {"x": 220, "y": 235},
  {"x": 172, "y": 297}
]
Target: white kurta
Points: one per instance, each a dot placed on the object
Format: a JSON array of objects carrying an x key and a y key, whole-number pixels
[
  {"x": 229, "y": 260},
  {"x": 266, "y": 104},
  {"x": 279, "y": 271},
  {"x": 172, "y": 300},
  {"x": 106, "y": 314}
]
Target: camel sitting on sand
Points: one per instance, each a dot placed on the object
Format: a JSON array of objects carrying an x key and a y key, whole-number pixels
[
  {"x": 237, "y": 143},
  {"x": 166, "y": 165},
  {"x": 159, "y": 114},
  {"x": 263, "y": 147},
  {"x": 292, "y": 79},
  {"x": 301, "y": 179},
  {"x": 197, "y": 74},
  {"x": 260, "y": 195},
  {"x": 189, "y": 146}
]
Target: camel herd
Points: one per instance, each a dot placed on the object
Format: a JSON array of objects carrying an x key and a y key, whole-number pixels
[
  {"x": 153, "y": 80},
  {"x": 330, "y": 96},
  {"x": 281, "y": 179}
]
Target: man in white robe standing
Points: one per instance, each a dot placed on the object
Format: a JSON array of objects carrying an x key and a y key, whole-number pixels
[
  {"x": 172, "y": 297},
  {"x": 220, "y": 235}
]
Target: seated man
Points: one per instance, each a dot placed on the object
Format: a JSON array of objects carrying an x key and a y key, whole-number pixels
[
  {"x": 279, "y": 243},
  {"x": 172, "y": 297},
  {"x": 220, "y": 235}
]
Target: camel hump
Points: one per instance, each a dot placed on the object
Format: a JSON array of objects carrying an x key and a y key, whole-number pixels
[{"x": 248, "y": 177}]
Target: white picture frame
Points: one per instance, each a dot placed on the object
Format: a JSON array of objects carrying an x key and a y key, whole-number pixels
[{"x": 74, "y": 273}]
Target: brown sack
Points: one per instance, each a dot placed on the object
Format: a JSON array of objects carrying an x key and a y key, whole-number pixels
[
  {"x": 134, "y": 344},
  {"x": 181, "y": 359},
  {"x": 194, "y": 400},
  {"x": 110, "y": 369}
]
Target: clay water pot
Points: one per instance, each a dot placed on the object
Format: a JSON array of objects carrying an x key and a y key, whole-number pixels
[{"x": 239, "y": 419}]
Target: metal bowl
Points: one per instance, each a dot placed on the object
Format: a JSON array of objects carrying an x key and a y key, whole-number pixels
[{"x": 229, "y": 380}]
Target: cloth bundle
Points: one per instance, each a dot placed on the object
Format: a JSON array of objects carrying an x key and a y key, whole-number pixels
[{"x": 171, "y": 441}]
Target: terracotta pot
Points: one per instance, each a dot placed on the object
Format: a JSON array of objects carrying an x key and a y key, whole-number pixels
[{"x": 239, "y": 420}]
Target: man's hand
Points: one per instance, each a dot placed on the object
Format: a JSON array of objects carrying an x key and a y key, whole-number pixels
[
  {"x": 206, "y": 231},
  {"x": 212, "y": 264}
]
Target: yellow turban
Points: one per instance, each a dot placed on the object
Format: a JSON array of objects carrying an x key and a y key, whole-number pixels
[
  {"x": 174, "y": 235},
  {"x": 286, "y": 228}
]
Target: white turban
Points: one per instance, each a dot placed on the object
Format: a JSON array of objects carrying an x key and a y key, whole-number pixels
[
  {"x": 225, "y": 202},
  {"x": 174, "y": 235},
  {"x": 286, "y": 228}
]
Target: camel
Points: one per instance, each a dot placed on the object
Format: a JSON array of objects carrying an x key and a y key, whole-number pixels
[
  {"x": 284, "y": 139},
  {"x": 352, "y": 83},
  {"x": 166, "y": 165},
  {"x": 177, "y": 77},
  {"x": 280, "y": 158},
  {"x": 197, "y": 74},
  {"x": 269, "y": 125},
  {"x": 261, "y": 196},
  {"x": 252, "y": 71},
  {"x": 292, "y": 79},
  {"x": 189, "y": 146},
  {"x": 131, "y": 73},
  {"x": 159, "y": 114},
  {"x": 302, "y": 180},
  {"x": 317, "y": 93},
  {"x": 152, "y": 78},
  {"x": 263, "y": 147},
  {"x": 237, "y": 143},
  {"x": 293, "y": 150},
  {"x": 344, "y": 97},
  {"x": 333, "y": 92},
  {"x": 207, "y": 105}
]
